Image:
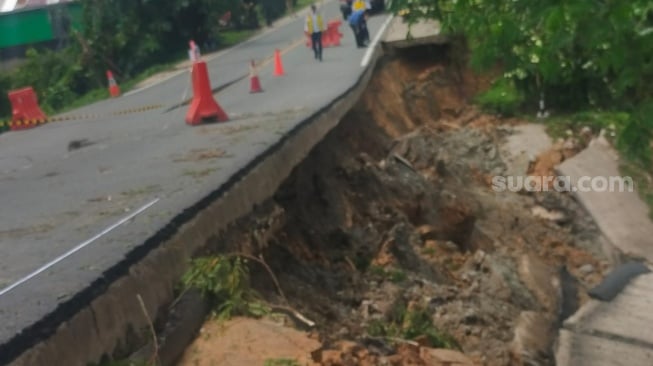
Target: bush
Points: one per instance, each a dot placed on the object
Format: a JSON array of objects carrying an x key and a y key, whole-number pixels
[
  {"x": 224, "y": 281},
  {"x": 502, "y": 98},
  {"x": 636, "y": 138}
]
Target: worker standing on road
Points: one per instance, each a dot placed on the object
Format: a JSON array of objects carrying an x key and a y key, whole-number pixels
[
  {"x": 360, "y": 5},
  {"x": 358, "y": 25},
  {"x": 315, "y": 25}
]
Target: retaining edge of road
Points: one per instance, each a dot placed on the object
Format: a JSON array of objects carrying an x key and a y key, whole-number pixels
[{"x": 96, "y": 321}]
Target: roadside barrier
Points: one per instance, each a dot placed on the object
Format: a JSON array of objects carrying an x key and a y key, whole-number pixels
[
  {"x": 255, "y": 82},
  {"x": 22, "y": 124},
  {"x": 203, "y": 105},
  {"x": 278, "y": 65},
  {"x": 114, "y": 90},
  {"x": 330, "y": 37}
]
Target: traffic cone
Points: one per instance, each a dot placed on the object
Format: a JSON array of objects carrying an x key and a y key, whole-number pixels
[
  {"x": 278, "y": 66},
  {"x": 203, "y": 106},
  {"x": 255, "y": 83},
  {"x": 114, "y": 90}
]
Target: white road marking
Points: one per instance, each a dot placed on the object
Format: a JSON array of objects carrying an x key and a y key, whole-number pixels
[
  {"x": 77, "y": 248},
  {"x": 377, "y": 37}
]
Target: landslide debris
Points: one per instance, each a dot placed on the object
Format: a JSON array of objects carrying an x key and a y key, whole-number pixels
[{"x": 390, "y": 237}]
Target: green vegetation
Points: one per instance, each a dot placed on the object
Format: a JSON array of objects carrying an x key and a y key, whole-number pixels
[
  {"x": 411, "y": 325},
  {"x": 114, "y": 36},
  {"x": 503, "y": 98},
  {"x": 391, "y": 274},
  {"x": 281, "y": 362},
  {"x": 573, "y": 56},
  {"x": 224, "y": 281}
]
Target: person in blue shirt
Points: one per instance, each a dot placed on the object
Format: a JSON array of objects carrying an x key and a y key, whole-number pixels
[{"x": 357, "y": 21}]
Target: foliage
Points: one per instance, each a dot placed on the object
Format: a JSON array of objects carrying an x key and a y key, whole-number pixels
[
  {"x": 392, "y": 274},
  {"x": 225, "y": 282},
  {"x": 582, "y": 52},
  {"x": 411, "y": 324},
  {"x": 128, "y": 37},
  {"x": 573, "y": 55},
  {"x": 502, "y": 98},
  {"x": 281, "y": 362},
  {"x": 637, "y": 136}
]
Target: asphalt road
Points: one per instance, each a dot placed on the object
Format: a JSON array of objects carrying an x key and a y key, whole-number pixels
[{"x": 67, "y": 208}]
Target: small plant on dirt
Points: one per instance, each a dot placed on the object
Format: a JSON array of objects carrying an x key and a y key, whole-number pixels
[
  {"x": 502, "y": 98},
  {"x": 392, "y": 274},
  {"x": 410, "y": 325},
  {"x": 225, "y": 282},
  {"x": 281, "y": 362}
]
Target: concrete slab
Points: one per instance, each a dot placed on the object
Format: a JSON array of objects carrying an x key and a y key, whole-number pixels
[
  {"x": 586, "y": 350},
  {"x": 524, "y": 145},
  {"x": 400, "y": 34},
  {"x": 626, "y": 318},
  {"x": 618, "y": 211}
]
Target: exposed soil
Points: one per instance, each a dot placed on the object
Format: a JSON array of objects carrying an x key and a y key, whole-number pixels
[{"x": 394, "y": 214}]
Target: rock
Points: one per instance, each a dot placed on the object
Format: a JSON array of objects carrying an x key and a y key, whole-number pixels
[
  {"x": 331, "y": 358},
  {"x": 343, "y": 332},
  {"x": 551, "y": 215},
  {"x": 479, "y": 257},
  {"x": 541, "y": 280},
  {"x": 533, "y": 339},
  {"x": 450, "y": 246},
  {"x": 492, "y": 153},
  {"x": 471, "y": 317},
  {"x": 586, "y": 131},
  {"x": 444, "y": 357},
  {"x": 570, "y": 144},
  {"x": 586, "y": 269},
  {"x": 427, "y": 232}
]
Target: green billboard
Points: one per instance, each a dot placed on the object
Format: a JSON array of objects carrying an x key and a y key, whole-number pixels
[{"x": 31, "y": 26}]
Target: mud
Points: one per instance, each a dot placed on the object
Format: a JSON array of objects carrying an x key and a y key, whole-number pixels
[{"x": 394, "y": 213}]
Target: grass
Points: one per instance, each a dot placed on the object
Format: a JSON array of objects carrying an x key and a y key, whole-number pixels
[
  {"x": 281, "y": 362},
  {"x": 391, "y": 274},
  {"x": 411, "y": 325},
  {"x": 227, "y": 38}
]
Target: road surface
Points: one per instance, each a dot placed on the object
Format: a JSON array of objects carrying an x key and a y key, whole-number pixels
[{"x": 69, "y": 215}]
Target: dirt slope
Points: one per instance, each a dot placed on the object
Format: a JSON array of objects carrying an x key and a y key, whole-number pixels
[{"x": 390, "y": 237}]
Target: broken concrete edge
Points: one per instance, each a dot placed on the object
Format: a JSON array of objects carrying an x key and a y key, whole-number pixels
[
  {"x": 95, "y": 322},
  {"x": 565, "y": 344},
  {"x": 612, "y": 252},
  {"x": 430, "y": 40},
  {"x": 185, "y": 320}
]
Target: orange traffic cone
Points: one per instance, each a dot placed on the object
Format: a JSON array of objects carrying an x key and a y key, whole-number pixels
[
  {"x": 114, "y": 90},
  {"x": 255, "y": 83},
  {"x": 203, "y": 105},
  {"x": 278, "y": 66}
]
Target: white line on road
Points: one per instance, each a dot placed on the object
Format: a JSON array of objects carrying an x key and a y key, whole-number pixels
[
  {"x": 377, "y": 37},
  {"x": 77, "y": 248}
]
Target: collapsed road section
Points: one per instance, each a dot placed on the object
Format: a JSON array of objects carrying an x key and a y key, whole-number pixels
[
  {"x": 391, "y": 244},
  {"x": 381, "y": 233},
  {"x": 124, "y": 202}
]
